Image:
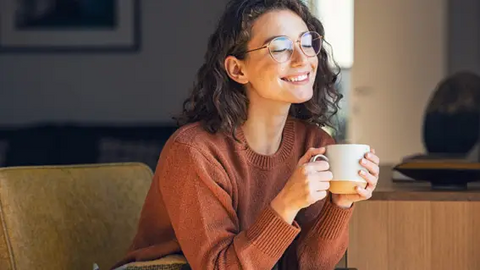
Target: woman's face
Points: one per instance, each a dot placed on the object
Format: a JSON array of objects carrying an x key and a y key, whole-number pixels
[{"x": 287, "y": 82}]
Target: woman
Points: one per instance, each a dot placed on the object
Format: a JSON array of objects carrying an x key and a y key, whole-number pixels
[{"x": 234, "y": 188}]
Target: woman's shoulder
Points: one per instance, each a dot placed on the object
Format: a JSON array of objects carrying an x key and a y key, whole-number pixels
[
  {"x": 196, "y": 150},
  {"x": 194, "y": 135},
  {"x": 187, "y": 134}
]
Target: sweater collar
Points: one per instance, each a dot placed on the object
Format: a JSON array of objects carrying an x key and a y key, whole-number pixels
[{"x": 270, "y": 161}]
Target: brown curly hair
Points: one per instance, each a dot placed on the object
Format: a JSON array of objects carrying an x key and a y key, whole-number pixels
[{"x": 220, "y": 103}]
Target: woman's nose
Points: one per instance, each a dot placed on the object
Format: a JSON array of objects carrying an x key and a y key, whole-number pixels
[{"x": 298, "y": 57}]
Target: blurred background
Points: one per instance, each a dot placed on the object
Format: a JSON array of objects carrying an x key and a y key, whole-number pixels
[
  {"x": 98, "y": 81},
  {"x": 84, "y": 81}
]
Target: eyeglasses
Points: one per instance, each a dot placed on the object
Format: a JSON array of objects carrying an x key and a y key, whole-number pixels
[{"x": 281, "y": 48}]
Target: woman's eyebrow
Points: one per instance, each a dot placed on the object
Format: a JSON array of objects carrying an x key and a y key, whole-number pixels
[{"x": 271, "y": 38}]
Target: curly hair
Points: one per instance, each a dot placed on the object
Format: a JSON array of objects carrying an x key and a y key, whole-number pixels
[{"x": 220, "y": 103}]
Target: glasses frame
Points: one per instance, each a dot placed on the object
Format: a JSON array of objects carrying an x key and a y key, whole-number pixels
[{"x": 293, "y": 42}]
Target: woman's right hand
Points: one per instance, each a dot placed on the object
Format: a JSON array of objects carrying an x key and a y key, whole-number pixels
[{"x": 308, "y": 184}]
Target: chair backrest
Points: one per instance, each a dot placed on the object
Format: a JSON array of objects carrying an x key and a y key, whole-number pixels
[{"x": 69, "y": 217}]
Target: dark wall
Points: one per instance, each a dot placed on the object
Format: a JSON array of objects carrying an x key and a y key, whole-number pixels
[
  {"x": 464, "y": 35},
  {"x": 148, "y": 86}
]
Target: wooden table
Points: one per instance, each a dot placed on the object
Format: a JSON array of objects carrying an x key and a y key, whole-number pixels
[{"x": 409, "y": 226}]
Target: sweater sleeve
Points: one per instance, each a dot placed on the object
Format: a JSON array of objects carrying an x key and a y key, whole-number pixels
[
  {"x": 326, "y": 241},
  {"x": 198, "y": 196},
  {"x": 324, "y": 237}
]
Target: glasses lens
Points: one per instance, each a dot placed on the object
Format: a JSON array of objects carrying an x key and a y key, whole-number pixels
[
  {"x": 281, "y": 48},
  {"x": 311, "y": 43}
]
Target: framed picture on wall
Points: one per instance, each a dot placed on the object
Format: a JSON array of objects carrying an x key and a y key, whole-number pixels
[{"x": 69, "y": 25}]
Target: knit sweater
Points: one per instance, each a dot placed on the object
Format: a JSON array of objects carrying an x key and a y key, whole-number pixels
[{"x": 210, "y": 200}]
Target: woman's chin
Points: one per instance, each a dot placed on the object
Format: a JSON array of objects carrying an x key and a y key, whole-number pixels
[{"x": 298, "y": 99}]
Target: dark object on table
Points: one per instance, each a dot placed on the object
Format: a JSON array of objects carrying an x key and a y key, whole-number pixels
[
  {"x": 452, "y": 120},
  {"x": 451, "y": 135},
  {"x": 443, "y": 173}
]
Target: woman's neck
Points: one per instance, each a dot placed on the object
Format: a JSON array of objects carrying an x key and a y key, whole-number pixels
[{"x": 264, "y": 126}]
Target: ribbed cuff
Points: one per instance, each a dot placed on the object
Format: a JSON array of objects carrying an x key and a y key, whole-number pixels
[
  {"x": 333, "y": 220},
  {"x": 271, "y": 234}
]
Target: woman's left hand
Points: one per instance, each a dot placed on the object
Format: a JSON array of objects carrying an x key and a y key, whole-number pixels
[{"x": 371, "y": 163}]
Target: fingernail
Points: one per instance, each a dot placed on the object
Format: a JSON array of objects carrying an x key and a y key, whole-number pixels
[
  {"x": 362, "y": 172},
  {"x": 363, "y": 161}
]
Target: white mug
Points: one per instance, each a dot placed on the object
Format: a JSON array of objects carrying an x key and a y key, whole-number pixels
[{"x": 344, "y": 160}]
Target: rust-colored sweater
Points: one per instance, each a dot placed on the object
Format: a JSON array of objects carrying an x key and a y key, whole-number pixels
[{"x": 210, "y": 197}]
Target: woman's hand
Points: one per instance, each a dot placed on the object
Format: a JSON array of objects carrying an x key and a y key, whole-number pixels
[
  {"x": 371, "y": 163},
  {"x": 308, "y": 184}
]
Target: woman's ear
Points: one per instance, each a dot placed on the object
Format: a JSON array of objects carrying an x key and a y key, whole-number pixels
[{"x": 236, "y": 69}]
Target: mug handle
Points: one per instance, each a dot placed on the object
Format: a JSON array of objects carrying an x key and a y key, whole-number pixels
[{"x": 322, "y": 157}]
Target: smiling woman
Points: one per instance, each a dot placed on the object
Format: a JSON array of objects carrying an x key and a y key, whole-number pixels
[
  {"x": 242, "y": 69},
  {"x": 235, "y": 187}
]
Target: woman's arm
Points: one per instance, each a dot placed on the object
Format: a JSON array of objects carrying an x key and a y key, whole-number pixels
[
  {"x": 326, "y": 241},
  {"x": 324, "y": 237},
  {"x": 323, "y": 240},
  {"x": 198, "y": 196}
]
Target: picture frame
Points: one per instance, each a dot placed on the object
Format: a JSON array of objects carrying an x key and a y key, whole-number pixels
[{"x": 69, "y": 26}]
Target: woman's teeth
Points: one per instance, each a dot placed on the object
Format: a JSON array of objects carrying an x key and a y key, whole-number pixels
[{"x": 296, "y": 79}]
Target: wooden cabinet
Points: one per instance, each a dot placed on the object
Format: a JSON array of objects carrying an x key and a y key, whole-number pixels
[{"x": 427, "y": 235}]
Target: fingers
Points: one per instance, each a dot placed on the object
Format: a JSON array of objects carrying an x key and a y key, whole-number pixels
[
  {"x": 318, "y": 186},
  {"x": 363, "y": 193},
  {"x": 372, "y": 157},
  {"x": 310, "y": 153},
  {"x": 370, "y": 166},
  {"x": 318, "y": 166},
  {"x": 371, "y": 180},
  {"x": 314, "y": 167},
  {"x": 318, "y": 177},
  {"x": 317, "y": 196}
]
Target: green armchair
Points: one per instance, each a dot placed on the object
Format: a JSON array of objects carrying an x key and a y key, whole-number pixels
[{"x": 69, "y": 217}]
